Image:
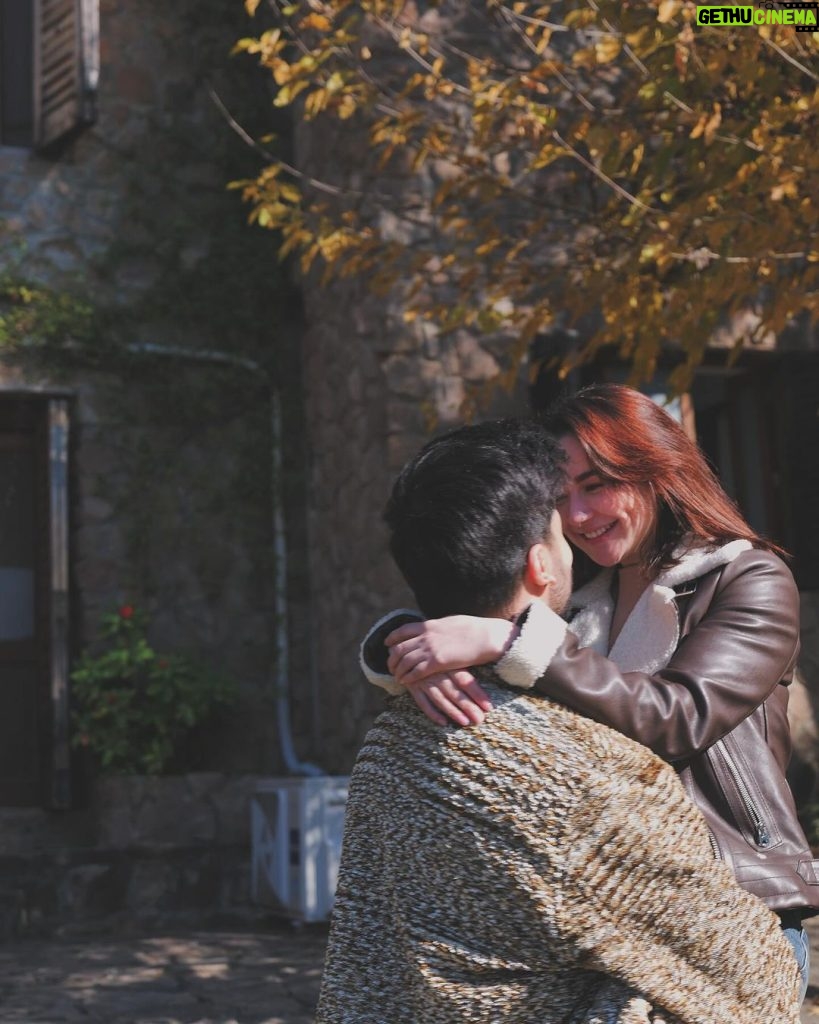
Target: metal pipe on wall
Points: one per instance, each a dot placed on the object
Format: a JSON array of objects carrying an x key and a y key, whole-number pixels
[{"x": 293, "y": 765}]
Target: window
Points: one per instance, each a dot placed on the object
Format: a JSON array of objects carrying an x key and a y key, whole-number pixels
[
  {"x": 16, "y": 73},
  {"x": 759, "y": 424},
  {"x": 48, "y": 69}
]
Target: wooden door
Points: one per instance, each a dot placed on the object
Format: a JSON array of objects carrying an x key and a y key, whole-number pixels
[{"x": 33, "y": 601}]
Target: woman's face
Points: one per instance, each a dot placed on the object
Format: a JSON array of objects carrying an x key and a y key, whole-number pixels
[{"x": 606, "y": 520}]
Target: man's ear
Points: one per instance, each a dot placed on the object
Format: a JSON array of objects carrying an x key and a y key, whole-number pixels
[{"x": 539, "y": 574}]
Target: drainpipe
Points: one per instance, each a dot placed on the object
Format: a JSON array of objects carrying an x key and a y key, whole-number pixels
[{"x": 281, "y": 632}]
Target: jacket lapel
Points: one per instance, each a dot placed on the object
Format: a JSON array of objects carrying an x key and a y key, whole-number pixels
[{"x": 651, "y": 633}]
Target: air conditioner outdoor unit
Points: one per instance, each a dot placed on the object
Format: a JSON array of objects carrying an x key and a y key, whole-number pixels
[{"x": 296, "y": 830}]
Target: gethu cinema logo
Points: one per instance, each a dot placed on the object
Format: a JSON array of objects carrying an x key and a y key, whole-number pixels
[{"x": 803, "y": 16}]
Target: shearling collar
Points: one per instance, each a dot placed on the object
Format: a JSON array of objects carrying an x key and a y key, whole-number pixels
[{"x": 651, "y": 633}]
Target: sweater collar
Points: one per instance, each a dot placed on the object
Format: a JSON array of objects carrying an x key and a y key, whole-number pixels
[{"x": 651, "y": 633}]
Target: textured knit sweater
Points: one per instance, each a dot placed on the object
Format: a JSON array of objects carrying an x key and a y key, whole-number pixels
[{"x": 538, "y": 869}]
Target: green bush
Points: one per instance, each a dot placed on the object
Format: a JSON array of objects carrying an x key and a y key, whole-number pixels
[{"x": 134, "y": 707}]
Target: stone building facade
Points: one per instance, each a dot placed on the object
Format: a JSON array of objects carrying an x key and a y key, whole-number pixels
[
  {"x": 137, "y": 305},
  {"x": 376, "y": 390}
]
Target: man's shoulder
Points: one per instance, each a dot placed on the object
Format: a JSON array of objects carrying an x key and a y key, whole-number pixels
[
  {"x": 402, "y": 732},
  {"x": 403, "y": 714},
  {"x": 523, "y": 725},
  {"x": 530, "y": 760}
]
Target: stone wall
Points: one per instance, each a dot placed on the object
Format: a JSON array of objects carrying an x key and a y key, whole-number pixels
[
  {"x": 376, "y": 390},
  {"x": 149, "y": 851},
  {"x": 132, "y": 223}
]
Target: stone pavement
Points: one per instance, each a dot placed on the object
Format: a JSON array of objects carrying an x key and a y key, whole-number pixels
[
  {"x": 267, "y": 975},
  {"x": 264, "y": 976}
]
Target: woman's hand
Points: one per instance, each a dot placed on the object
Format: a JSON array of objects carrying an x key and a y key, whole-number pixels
[
  {"x": 455, "y": 697},
  {"x": 421, "y": 649},
  {"x": 430, "y": 657}
]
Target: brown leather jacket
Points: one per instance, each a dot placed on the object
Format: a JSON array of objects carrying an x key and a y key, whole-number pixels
[{"x": 718, "y": 711}]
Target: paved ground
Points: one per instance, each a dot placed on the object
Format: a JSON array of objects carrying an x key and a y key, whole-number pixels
[
  {"x": 268, "y": 976},
  {"x": 264, "y": 976}
]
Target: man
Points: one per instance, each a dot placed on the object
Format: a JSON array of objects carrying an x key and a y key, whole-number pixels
[{"x": 539, "y": 867}]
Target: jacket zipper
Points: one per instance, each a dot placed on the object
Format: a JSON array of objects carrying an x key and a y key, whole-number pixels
[
  {"x": 714, "y": 845},
  {"x": 761, "y": 834}
]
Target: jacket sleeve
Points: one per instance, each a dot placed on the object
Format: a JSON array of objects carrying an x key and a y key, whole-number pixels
[
  {"x": 727, "y": 665},
  {"x": 373, "y": 653}
]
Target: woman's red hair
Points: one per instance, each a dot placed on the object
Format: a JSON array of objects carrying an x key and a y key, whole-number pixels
[{"x": 630, "y": 439}]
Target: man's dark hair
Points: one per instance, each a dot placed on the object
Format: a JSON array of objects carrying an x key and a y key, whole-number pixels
[{"x": 465, "y": 510}]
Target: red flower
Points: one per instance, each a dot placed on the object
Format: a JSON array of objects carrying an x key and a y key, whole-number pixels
[{"x": 126, "y": 611}]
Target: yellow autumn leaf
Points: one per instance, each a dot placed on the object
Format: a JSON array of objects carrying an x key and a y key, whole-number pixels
[
  {"x": 332, "y": 245},
  {"x": 282, "y": 72},
  {"x": 251, "y": 6},
  {"x": 667, "y": 10},
  {"x": 785, "y": 188},
  {"x": 315, "y": 102},
  {"x": 486, "y": 247},
  {"x": 346, "y": 108},
  {"x": 317, "y": 21},
  {"x": 699, "y": 127},
  {"x": 711, "y": 125},
  {"x": 607, "y": 49},
  {"x": 584, "y": 58},
  {"x": 288, "y": 93},
  {"x": 289, "y": 192}
]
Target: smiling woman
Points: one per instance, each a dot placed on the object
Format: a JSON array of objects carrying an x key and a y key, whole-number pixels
[
  {"x": 608, "y": 520},
  {"x": 637, "y": 483}
]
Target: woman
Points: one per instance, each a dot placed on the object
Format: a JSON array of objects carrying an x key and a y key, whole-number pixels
[{"x": 686, "y": 640}]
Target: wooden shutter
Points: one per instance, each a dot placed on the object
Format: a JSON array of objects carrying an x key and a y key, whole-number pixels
[{"x": 58, "y": 70}]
